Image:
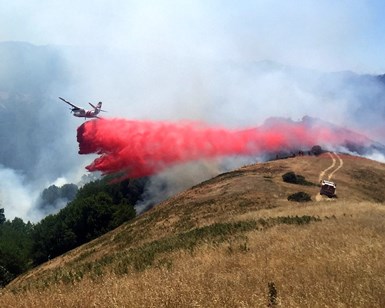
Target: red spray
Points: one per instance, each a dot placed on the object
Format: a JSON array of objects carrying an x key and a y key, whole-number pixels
[{"x": 141, "y": 148}]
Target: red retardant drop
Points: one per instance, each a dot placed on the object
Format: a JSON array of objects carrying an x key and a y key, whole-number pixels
[{"x": 141, "y": 148}]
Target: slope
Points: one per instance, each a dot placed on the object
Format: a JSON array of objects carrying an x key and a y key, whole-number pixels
[{"x": 234, "y": 240}]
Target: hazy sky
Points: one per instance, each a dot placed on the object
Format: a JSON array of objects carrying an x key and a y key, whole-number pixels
[{"x": 328, "y": 35}]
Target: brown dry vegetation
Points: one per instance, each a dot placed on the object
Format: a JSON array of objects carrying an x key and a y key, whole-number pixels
[{"x": 220, "y": 243}]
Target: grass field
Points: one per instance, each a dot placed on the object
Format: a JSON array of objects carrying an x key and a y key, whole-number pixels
[{"x": 270, "y": 251}]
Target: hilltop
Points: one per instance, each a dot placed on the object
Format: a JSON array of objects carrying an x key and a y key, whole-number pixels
[{"x": 234, "y": 240}]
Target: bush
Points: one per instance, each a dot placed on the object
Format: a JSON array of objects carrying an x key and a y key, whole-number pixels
[
  {"x": 291, "y": 177},
  {"x": 299, "y": 197},
  {"x": 316, "y": 150}
]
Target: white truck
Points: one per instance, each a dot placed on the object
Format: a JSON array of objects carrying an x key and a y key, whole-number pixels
[{"x": 328, "y": 188}]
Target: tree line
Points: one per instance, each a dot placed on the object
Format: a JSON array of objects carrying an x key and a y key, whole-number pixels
[{"x": 98, "y": 207}]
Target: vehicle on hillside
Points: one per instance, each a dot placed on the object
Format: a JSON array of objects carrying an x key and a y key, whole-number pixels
[{"x": 328, "y": 188}]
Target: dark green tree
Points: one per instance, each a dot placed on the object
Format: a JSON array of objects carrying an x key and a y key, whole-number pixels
[
  {"x": 50, "y": 194},
  {"x": 15, "y": 248},
  {"x": 99, "y": 207},
  {"x": 2, "y": 216},
  {"x": 124, "y": 212}
]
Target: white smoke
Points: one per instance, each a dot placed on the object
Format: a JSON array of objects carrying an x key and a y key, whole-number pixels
[
  {"x": 174, "y": 180},
  {"x": 16, "y": 195},
  {"x": 377, "y": 156},
  {"x": 183, "y": 176}
]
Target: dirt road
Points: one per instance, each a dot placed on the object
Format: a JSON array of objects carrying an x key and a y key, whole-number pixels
[{"x": 332, "y": 169}]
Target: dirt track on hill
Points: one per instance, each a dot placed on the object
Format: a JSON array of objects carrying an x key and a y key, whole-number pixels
[{"x": 332, "y": 169}]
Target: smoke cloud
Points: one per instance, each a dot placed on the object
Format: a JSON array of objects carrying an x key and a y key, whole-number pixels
[
  {"x": 36, "y": 133},
  {"x": 16, "y": 194}
]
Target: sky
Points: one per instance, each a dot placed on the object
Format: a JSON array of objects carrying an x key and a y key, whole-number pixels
[
  {"x": 328, "y": 35},
  {"x": 227, "y": 63}
]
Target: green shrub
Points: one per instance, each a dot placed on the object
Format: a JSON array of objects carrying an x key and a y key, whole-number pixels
[
  {"x": 291, "y": 177},
  {"x": 299, "y": 197}
]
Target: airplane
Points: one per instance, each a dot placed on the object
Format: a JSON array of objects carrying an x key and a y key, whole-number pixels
[{"x": 82, "y": 113}]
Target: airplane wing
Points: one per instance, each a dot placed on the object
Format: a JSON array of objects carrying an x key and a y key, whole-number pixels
[{"x": 74, "y": 106}]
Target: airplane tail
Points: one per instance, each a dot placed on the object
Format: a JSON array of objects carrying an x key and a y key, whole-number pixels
[{"x": 98, "y": 107}]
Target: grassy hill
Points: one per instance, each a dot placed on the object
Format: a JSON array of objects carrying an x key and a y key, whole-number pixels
[{"x": 234, "y": 241}]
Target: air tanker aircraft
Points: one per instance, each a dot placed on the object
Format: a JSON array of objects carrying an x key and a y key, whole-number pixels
[{"x": 82, "y": 113}]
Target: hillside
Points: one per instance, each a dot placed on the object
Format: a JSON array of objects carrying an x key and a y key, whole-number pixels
[{"x": 234, "y": 240}]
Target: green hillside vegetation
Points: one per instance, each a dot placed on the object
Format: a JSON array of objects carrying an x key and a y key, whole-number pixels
[
  {"x": 51, "y": 195},
  {"x": 98, "y": 207},
  {"x": 15, "y": 248},
  {"x": 233, "y": 241}
]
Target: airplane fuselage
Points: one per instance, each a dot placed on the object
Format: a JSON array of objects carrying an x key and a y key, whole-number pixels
[{"x": 81, "y": 113}]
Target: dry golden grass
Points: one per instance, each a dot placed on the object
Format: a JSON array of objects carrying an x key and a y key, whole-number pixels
[{"x": 335, "y": 262}]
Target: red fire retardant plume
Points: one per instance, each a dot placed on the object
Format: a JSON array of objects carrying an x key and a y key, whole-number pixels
[{"x": 140, "y": 148}]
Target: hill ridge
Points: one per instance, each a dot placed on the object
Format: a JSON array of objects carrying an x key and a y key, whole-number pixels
[{"x": 237, "y": 210}]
